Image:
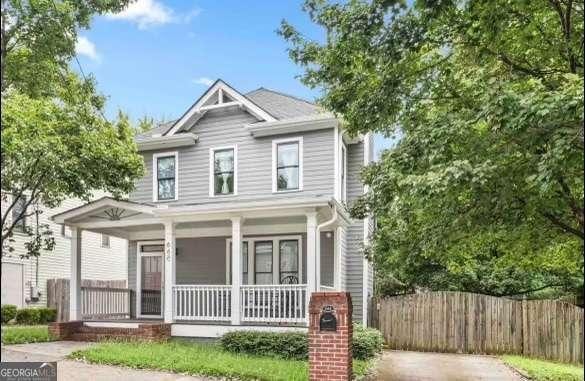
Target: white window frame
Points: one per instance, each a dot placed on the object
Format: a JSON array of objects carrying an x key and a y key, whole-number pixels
[
  {"x": 139, "y": 255},
  {"x": 212, "y": 151},
  {"x": 155, "y": 158},
  {"x": 275, "y": 143},
  {"x": 275, "y": 256}
]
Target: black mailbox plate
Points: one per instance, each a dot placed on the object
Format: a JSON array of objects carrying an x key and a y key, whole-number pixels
[{"x": 328, "y": 321}]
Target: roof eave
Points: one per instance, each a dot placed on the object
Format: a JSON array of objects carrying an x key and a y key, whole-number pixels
[
  {"x": 292, "y": 126},
  {"x": 163, "y": 142}
]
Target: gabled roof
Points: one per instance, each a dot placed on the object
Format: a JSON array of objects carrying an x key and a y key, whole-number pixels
[
  {"x": 219, "y": 95},
  {"x": 284, "y": 106}
]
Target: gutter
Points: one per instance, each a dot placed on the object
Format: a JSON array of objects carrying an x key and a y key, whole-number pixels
[{"x": 331, "y": 221}]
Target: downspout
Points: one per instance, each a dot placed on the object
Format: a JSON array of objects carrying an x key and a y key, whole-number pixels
[{"x": 331, "y": 221}]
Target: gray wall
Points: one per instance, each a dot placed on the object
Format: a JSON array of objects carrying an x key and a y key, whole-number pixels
[
  {"x": 355, "y": 232},
  {"x": 226, "y": 127},
  {"x": 202, "y": 260}
]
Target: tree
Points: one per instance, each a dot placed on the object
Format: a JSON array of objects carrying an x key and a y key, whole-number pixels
[
  {"x": 56, "y": 142},
  {"x": 484, "y": 190}
]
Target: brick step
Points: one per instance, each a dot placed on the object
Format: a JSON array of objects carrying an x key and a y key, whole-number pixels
[{"x": 108, "y": 330}]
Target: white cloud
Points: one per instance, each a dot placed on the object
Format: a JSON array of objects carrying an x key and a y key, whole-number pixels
[
  {"x": 84, "y": 47},
  {"x": 150, "y": 13},
  {"x": 203, "y": 81}
]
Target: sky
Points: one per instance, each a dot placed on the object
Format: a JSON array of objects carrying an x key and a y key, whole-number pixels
[{"x": 157, "y": 57}]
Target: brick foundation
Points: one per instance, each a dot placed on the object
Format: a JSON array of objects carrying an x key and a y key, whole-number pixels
[
  {"x": 330, "y": 353},
  {"x": 76, "y": 331}
]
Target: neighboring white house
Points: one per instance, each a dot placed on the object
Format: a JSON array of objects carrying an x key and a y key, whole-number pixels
[
  {"x": 240, "y": 216},
  {"x": 24, "y": 281}
]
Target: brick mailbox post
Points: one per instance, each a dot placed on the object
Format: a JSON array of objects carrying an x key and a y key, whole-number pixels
[{"x": 330, "y": 336}]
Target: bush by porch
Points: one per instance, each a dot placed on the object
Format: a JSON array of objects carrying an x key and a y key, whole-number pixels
[
  {"x": 200, "y": 359},
  {"x": 25, "y": 334}
]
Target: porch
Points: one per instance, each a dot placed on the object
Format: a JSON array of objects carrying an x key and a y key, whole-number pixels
[{"x": 214, "y": 270}]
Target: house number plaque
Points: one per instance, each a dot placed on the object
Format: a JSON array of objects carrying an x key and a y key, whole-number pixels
[{"x": 328, "y": 321}]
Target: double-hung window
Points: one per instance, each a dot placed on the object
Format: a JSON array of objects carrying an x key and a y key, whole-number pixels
[
  {"x": 288, "y": 252},
  {"x": 287, "y": 157},
  {"x": 166, "y": 171},
  {"x": 263, "y": 262},
  {"x": 223, "y": 171},
  {"x": 19, "y": 209}
]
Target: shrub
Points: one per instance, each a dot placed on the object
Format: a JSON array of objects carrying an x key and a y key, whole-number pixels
[
  {"x": 367, "y": 342},
  {"x": 28, "y": 316},
  {"x": 8, "y": 312},
  {"x": 47, "y": 315},
  {"x": 288, "y": 345}
]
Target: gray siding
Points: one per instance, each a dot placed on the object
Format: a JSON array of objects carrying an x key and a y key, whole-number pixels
[
  {"x": 355, "y": 232},
  {"x": 202, "y": 260},
  {"x": 226, "y": 127}
]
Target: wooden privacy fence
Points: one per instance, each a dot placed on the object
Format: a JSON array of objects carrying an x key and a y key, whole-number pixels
[
  {"x": 472, "y": 323},
  {"x": 99, "y": 298}
]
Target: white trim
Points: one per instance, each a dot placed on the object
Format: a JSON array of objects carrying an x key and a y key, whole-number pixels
[
  {"x": 366, "y": 239},
  {"x": 288, "y": 126},
  {"x": 275, "y": 256},
  {"x": 92, "y": 206},
  {"x": 275, "y": 143},
  {"x": 139, "y": 255},
  {"x": 155, "y": 158},
  {"x": 165, "y": 142},
  {"x": 214, "y": 330},
  {"x": 219, "y": 85},
  {"x": 343, "y": 184},
  {"x": 336, "y": 186},
  {"x": 212, "y": 151}
]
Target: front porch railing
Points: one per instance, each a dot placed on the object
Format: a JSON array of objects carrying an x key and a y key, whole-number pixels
[
  {"x": 196, "y": 302},
  {"x": 281, "y": 303},
  {"x": 105, "y": 303}
]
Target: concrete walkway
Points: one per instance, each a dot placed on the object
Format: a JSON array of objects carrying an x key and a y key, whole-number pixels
[
  {"x": 423, "y": 366},
  {"x": 75, "y": 370}
]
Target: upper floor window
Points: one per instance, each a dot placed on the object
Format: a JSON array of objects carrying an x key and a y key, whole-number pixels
[
  {"x": 105, "y": 241},
  {"x": 19, "y": 209},
  {"x": 287, "y": 157},
  {"x": 166, "y": 173},
  {"x": 223, "y": 171}
]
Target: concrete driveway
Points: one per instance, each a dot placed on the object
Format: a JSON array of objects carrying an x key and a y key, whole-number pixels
[
  {"x": 76, "y": 370},
  {"x": 423, "y": 366}
]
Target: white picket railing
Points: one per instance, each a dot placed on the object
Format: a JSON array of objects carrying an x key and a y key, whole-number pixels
[
  {"x": 202, "y": 302},
  {"x": 283, "y": 303},
  {"x": 104, "y": 302}
]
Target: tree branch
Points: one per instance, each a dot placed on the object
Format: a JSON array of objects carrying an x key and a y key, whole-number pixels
[{"x": 562, "y": 225}]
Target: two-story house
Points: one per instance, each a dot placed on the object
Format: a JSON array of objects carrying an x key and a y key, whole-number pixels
[{"x": 240, "y": 217}]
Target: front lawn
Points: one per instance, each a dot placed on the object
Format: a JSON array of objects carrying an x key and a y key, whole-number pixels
[
  {"x": 22, "y": 334},
  {"x": 542, "y": 370},
  {"x": 199, "y": 359}
]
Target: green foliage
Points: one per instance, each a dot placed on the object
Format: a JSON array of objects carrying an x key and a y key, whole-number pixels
[
  {"x": 367, "y": 342},
  {"x": 542, "y": 370},
  {"x": 28, "y": 316},
  {"x": 483, "y": 191},
  {"x": 8, "y": 312},
  {"x": 47, "y": 315},
  {"x": 200, "y": 360},
  {"x": 284, "y": 345},
  {"x": 25, "y": 334},
  {"x": 56, "y": 143}
]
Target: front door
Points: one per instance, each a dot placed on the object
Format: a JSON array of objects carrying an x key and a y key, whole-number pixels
[{"x": 150, "y": 270}]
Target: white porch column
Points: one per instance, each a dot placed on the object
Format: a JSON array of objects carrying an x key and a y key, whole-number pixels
[
  {"x": 170, "y": 250},
  {"x": 75, "y": 279},
  {"x": 312, "y": 262},
  {"x": 236, "y": 268}
]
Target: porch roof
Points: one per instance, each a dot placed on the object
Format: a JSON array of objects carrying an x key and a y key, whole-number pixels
[{"x": 107, "y": 212}]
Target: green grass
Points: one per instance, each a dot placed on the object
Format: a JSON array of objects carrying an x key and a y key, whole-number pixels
[
  {"x": 542, "y": 370},
  {"x": 198, "y": 359},
  {"x": 21, "y": 334}
]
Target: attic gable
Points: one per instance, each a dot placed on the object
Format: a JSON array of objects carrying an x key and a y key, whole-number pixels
[{"x": 219, "y": 95}]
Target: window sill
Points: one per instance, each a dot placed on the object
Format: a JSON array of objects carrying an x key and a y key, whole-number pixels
[
  {"x": 165, "y": 201},
  {"x": 223, "y": 195},
  {"x": 287, "y": 191}
]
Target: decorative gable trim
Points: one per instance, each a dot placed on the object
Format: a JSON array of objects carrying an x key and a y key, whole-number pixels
[{"x": 220, "y": 95}]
